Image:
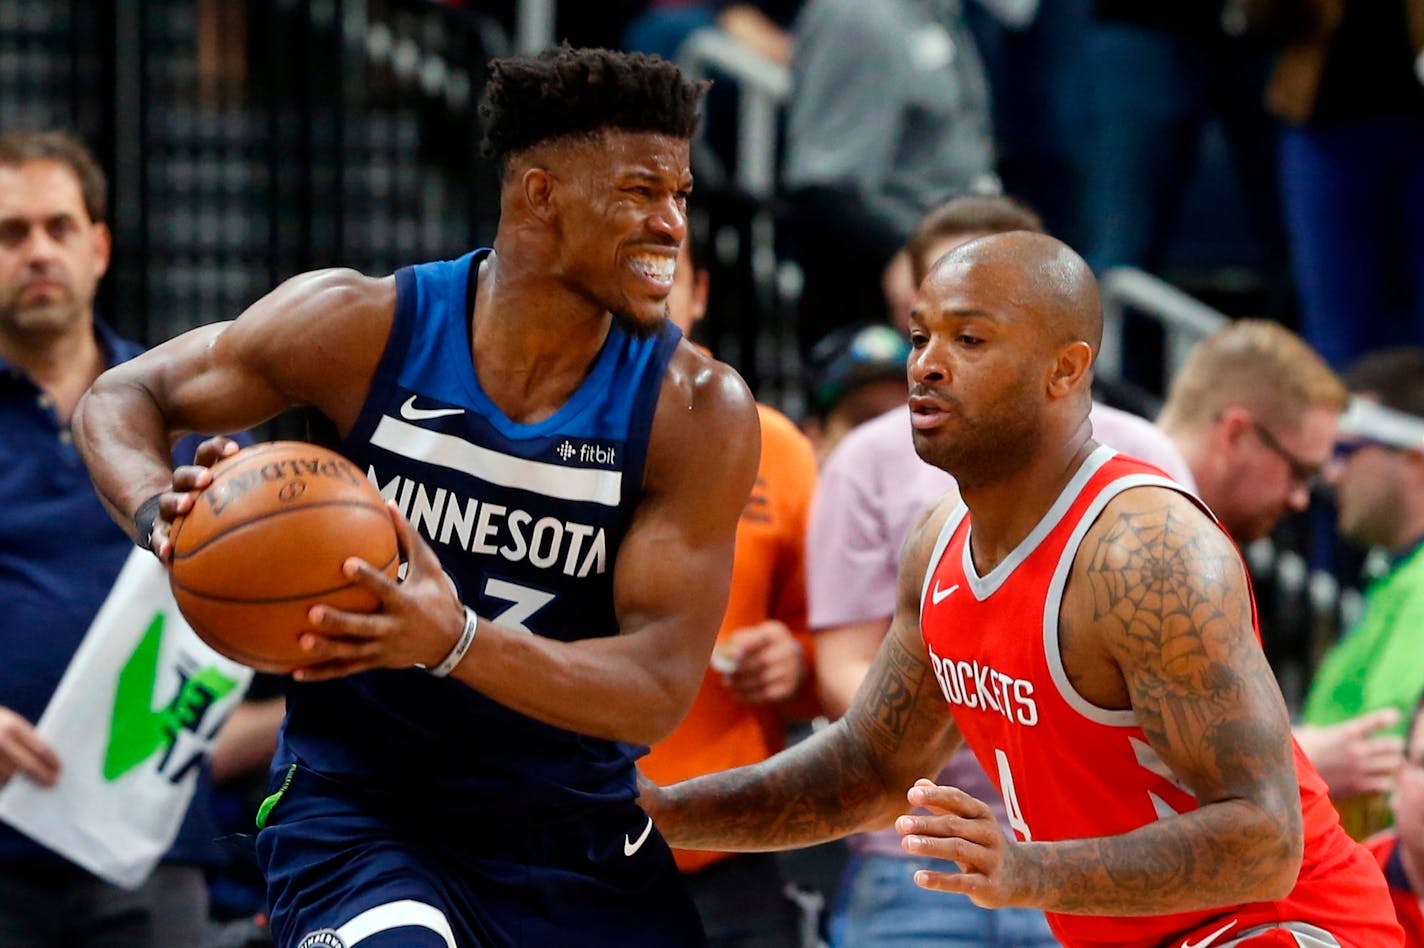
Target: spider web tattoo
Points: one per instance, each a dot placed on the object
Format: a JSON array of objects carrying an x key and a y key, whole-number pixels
[{"x": 1158, "y": 577}]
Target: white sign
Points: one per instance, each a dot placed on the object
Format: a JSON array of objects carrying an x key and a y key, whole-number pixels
[{"x": 132, "y": 721}]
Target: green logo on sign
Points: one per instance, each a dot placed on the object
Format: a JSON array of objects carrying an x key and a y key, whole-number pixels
[{"x": 138, "y": 730}]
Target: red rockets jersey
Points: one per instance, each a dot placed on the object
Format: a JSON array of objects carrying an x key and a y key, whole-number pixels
[{"x": 1068, "y": 769}]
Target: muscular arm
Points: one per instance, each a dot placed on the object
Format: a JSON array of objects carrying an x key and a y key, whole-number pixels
[
  {"x": 671, "y": 578},
  {"x": 314, "y": 340},
  {"x": 1161, "y": 594},
  {"x": 846, "y": 777}
]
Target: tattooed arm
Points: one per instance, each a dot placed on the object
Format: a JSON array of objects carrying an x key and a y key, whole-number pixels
[
  {"x": 849, "y": 776},
  {"x": 1156, "y": 617}
]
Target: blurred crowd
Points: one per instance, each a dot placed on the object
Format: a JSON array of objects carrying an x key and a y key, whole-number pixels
[{"x": 1266, "y": 154}]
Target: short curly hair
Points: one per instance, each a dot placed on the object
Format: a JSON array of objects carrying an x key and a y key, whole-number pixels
[{"x": 565, "y": 92}]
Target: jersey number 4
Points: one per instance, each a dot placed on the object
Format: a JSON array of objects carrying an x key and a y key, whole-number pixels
[
  {"x": 1011, "y": 798},
  {"x": 523, "y": 602}
]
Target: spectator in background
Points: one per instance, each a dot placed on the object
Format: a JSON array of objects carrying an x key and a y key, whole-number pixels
[
  {"x": 874, "y": 489},
  {"x": 940, "y": 231},
  {"x": 59, "y": 551},
  {"x": 1400, "y": 851},
  {"x": 1155, "y": 72},
  {"x": 760, "y": 25},
  {"x": 760, "y": 677},
  {"x": 1350, "y": 87},
  {"x": 855, "y": 373},
  {"x": 874, "y": 140},
  {"x": 1255, "y": 412},
  {"x": 1377, "y": 668}
]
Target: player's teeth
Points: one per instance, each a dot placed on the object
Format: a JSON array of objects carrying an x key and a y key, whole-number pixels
[{"x": 659, "y": 268}]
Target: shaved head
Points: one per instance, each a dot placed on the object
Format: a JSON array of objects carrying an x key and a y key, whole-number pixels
[
  {"x": 1004, "y": 331},
  {"x": 1032, "y": 273}
]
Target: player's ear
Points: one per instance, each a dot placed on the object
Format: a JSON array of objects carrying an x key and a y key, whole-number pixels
[
  {"x": 1070, "y": 369},
  {"x": 538, "y": 189},
  {"x": 103, "y": 247}
]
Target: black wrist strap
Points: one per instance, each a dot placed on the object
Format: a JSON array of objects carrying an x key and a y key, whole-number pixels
[{"x": 144, "y": 518}]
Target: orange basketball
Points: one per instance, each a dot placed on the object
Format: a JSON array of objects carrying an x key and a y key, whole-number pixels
[{"x": 265, "y": 541}]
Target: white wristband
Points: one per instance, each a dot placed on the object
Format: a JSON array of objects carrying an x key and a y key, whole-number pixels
[{"x": 467, "y": 636}]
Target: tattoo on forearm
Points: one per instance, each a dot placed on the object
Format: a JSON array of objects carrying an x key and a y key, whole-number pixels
[
  {"x": 893, "y": 693},
  {"x": 824, "y": 787}
]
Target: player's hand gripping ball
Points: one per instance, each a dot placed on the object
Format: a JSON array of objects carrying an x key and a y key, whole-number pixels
[{"x": 264, "y": 542}]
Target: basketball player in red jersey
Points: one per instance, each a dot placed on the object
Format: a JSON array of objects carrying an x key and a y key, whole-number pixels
[{"x": 1089, "y": 629}]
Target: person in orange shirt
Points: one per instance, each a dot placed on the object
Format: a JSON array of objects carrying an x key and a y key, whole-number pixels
[{"x": 759, "y": 678}]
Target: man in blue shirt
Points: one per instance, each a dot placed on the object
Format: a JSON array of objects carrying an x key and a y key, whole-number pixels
[{"x": 59, "y": 551}]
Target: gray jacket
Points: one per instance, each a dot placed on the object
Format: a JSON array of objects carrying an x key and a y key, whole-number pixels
[{"x": 890, "y": 100}]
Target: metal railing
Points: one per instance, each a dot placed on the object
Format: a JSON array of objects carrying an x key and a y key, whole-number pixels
[
  {"x": 247, "y": 142},
  {"x": 763, "y": 86},
  {"x": 761, "y": 339},
  {"x": 1302, "y": 609},
  {"x": 1185, "y": 320}
]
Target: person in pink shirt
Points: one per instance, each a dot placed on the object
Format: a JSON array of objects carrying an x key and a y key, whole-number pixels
[{"x": 872, "y": 492}]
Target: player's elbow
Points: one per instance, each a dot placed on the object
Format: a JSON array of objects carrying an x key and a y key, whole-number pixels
[
  {"x": 658, "y": 716},
  {"x": 97, "y": 408},
  {"x": 1279, "y": 883},
  {"x": 1283, "y": 846},
  {"x": 1292, "y": 852},
  {"x": 650, "y": 729}
]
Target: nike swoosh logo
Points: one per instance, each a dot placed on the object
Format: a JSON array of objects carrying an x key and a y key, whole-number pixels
[
  {"x": 1210, "y": 938},
  {"x": 938, "y": 595},
  {"x": 409, "y": 412},
  {"x": 630, "y": 846}
]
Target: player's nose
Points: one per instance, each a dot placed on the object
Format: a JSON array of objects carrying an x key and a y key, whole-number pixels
[
  {"x": 927, "y": 364},
  {"x": 669, "y": 221}
]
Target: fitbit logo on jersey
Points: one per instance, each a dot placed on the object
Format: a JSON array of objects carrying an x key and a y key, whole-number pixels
[
  {"x": 972, "y": 685},
  {"x": 326, "y": 938},
  {"x": 587, "y": 452}
]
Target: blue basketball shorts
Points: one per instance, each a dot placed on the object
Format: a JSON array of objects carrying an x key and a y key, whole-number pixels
[{"x": 344, "y": 872}]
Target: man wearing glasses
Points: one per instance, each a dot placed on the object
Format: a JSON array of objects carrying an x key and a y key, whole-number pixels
[
  {"x": 1255, "y": 411},
  {"x": 1378, "y": 478}
]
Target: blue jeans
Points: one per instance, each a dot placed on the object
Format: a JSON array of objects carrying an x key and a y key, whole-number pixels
[
  {"x": 1354, "y": 198},
  {"x": 1150, "y": 92},
  {"x": 879, "y": 905}
]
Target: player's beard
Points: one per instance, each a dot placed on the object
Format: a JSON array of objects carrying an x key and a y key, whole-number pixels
[
  {"x": 635, "y": 327},
  {"x": 985, "y": 451}
]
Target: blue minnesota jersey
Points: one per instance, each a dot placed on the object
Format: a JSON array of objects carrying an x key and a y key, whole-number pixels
[{"x": 527, "y": 520}]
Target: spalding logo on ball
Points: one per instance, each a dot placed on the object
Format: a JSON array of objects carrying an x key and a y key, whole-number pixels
[{"x": 264, "y": 542}]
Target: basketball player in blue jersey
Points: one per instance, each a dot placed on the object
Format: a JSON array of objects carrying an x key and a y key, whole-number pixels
[{"x": 458, "y": 767}]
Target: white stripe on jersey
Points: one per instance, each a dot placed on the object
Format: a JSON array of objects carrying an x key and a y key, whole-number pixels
[
  {"x": 402, "y": 914},
  {"x": 540, "y": 477}
]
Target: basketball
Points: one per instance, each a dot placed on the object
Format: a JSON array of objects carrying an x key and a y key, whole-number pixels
[{"x": 265, "y": 541}]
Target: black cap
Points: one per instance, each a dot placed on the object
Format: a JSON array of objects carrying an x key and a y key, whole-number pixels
[{"x": 851, "y": 356}]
